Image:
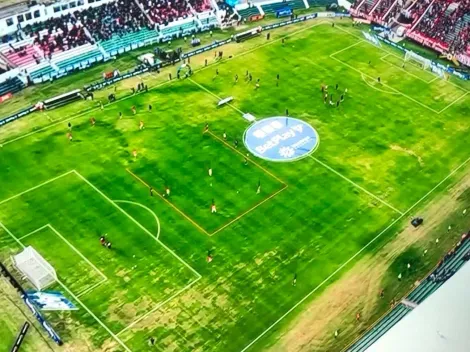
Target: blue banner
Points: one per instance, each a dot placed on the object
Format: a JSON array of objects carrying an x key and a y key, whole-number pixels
[
  {"x": 50, "y": 300},
  {"x": 50, "y": 331}
]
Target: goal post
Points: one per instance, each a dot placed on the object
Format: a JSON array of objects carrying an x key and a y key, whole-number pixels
[
  {"x": 32, "y": 265},
  {"x": 422, "y": 62}
]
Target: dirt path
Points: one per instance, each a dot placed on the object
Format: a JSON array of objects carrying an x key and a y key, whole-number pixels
[{"x": 358, "y": 290}]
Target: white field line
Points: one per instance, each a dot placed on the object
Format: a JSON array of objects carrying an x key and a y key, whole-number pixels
[
  {"x": 348, "y": 47},
  {"x": 69, "y": 244},
  {"x": 385, "y": 85},
  {"x": 354, "y": 256},
  {"x": 137, "y": 223},
  {"x": 356, "y": 185},
  {"x": 387, "y": 51},
  {"x": 118, "y": 340},
  {"x": 377, "y": 89},
  {"x": 146, "y": 208},
  {"x": 33, "y": 232},
  {"x": 214, "y": 95},
  {"x": 36, "y": 187},
  {"x": 198, "y": 276},
  {"x": 80, "y": 114},
  {"x": 157, "y": 86},
  {"x": 78, "y": 252},
  {"x": 88, "y": 290},
  {"x": 405, "y": 71},
  {"x": 158, "y": 306},
  {"x": 455, "y": 101}
]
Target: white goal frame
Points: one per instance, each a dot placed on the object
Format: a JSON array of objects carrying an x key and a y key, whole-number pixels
[
  {"x": 32, "y": 265},
  {"x": 424, "y": 63}
]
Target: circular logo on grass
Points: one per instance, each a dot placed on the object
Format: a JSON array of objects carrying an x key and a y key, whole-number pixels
[{"x": 281, "y": 138}]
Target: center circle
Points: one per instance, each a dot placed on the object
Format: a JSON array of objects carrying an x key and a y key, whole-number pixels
[{"x": 281, "y": 139}]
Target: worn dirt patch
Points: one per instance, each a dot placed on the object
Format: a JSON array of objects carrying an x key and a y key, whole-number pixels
[
  {"x": 407, "y": 151},
  {"x": 358, "y": 290}
]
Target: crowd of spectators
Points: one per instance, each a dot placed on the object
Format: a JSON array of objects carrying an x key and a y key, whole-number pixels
[
  {"x": 119, "y": 17},
  {"x": 166, "y": 11},
  {"x": 441, "y": 21}
]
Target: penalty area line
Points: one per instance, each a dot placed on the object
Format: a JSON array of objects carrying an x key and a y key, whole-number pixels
[
  {"x": 353, "y": 257},
  {"x": 103, "y": 325},
  {"x": 356, "y": 185}
]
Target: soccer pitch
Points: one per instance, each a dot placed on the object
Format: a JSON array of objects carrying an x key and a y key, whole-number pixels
[{"x": 385, "y": 151}]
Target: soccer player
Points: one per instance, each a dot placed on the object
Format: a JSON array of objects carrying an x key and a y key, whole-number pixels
[
  {"x": 152, "y": 341},
  {"x": 151, "y": 192},
  {"x": 225, "y": 136},
  {"x": 210, "y": 172},
  {"x": 216, "y": 71},
  {"x": 69, "y": 126},
  {"x": 102, "y": 240},
  {"x": 213, "y": 207},
  {"x": 236, "y": 78},
  {"x": 134, "y": 153},
  {"x": 134, "y": 111},
  {"x": 336, "y": 87},
  {"x": 294, "y": 280},
  {"x": 120, "y": 115},
  {"x": 169, "y": 76},
  {"x": 256, "y": 86},
  {"x": 150, "y": 107},
  {"x": 108, "y": 245},
  {"x": 209, "y": 257},
  {"x": 246, "y": 73},
  {"x": 250, "y": 77},
  {"x": 341, "y": 99},
  {"x": 69, "y": 136},
  {"x": 245, "y": 161},
  {"x": 325, "y": 97},
  {"x": 337, "y": 104},
  {"x": 141, "y": 125},
  {"x": 258, "y": 190},
  {"x": 287, "y": 112},
  {"x": 206, "y": 127},
  {"x": 283, "y": 40},
  {"x": 378, "y": 79},
  {"x": 236, "y": 143},
  {"x": 167, "y": 190},
  {"x": 93, "y": 121}
]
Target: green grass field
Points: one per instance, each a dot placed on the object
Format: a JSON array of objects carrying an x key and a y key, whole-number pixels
[{"x": 386, "y": 151}]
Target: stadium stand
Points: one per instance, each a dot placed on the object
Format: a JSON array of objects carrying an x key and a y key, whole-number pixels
[
  {"x": 249, "y": 12},
  {"x": 443, "y": 25},
  {"x": 80, "y": 57},
  {"x": 321, "y": 3},
  {"x": 274, "y": 7},
  {"x": 117, "y": 43},
  {"x": 451, "y": 262},
  {"x": 41, "y": 72},
  {"x": 11, "y": 85}
]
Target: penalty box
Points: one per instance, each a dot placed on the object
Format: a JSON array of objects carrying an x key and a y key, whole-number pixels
[
  {"x": 373, "y": 62},
  {"x": 76, "y": 214},
  {"x": 211, "y": 170}
]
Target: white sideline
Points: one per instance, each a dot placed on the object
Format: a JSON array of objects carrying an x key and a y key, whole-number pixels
[
  {"x": 354, "y": 256},
  {"x": 356, "y": 185},
  {"x": 76, "y": 297},
  {"x": 123, "y": 345}
]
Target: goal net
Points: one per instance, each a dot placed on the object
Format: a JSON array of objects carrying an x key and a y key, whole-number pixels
[
  {"x": 422, "y": 62},
  {"x": 35, "y": 268}
]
